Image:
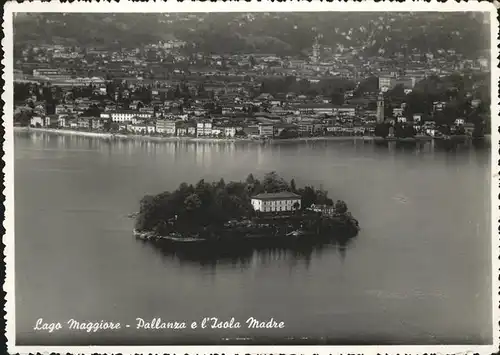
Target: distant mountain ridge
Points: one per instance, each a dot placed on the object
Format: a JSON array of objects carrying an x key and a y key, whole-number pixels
[{"x": 281, "y": 33}]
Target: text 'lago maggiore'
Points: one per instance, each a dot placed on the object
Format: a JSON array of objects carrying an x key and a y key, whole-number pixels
[{"x": 158, "y": 324}]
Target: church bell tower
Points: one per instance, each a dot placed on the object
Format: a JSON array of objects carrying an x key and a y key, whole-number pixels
[{"x": 380, "y": 108}]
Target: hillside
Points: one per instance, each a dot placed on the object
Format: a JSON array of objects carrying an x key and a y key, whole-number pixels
[{"x": 281, "y": 33}]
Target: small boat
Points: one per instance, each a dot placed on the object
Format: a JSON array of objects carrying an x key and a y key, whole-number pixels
[
  {"x": 184, "y": 239},
  {"x": 296, "y": 233}
]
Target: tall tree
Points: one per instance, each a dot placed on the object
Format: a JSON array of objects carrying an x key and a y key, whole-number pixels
[{"x": 274, "y": 183}]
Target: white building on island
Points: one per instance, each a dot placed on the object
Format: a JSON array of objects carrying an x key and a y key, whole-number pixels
[{"x": 276, "y": 202}]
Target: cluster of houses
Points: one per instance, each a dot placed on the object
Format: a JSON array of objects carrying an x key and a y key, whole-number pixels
[
  {"x": 430, "y": 128},
  {"x": 301, "y": 119},
  {"x": 217, "y": 128},
  {"x": 312, "y": 119},
  {"x": 240, "y": 111}
]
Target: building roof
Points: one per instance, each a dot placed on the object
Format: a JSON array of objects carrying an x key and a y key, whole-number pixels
[{"x": 283, "y": 195}]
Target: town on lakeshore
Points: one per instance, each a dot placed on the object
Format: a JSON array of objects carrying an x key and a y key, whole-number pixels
[{"x": 357, "y": 78}]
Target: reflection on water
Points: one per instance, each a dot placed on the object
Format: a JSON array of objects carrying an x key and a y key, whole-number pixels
[
  {"x": 245, "y": 255},
  {"x": 202, "y": 151}
]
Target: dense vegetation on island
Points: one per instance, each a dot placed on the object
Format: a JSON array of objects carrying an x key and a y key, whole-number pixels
[{"x": 191, "y": 208}]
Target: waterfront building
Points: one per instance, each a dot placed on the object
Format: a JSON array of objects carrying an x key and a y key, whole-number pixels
[
  {"x": 217, "y": 130},
  {"x": 37, "y": 121},
  {"x": 204, "y": 128},
  {"x": 306, "y": 126},
  {"x": 84, "y": 123},
  {"x": 251, "y": 131},
  {"x": 191, "y": 130},
  {"x": 229, "y": 131},
  {"x": 73, "y": 123},
  {"x": 181, "y": 130},
  {"x": 141, "y": 128},
  {"x": 266, "y": 130},
  {"x": 62, "y": 121},
  {"x": 165, "y": 127},
  {"x": 276, "y": 202},
  {"x": 123, "y": 116},
  {"x": 96, "y": 123}
]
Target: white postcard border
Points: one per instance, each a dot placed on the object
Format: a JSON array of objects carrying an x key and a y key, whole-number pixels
[{"x": 243, "y": 6}]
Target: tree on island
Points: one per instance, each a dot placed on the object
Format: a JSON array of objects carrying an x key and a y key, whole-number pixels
[
  {"x": 192, "y": 202},
  {"x": 340, "y": 206},
  {"x": 274, "y": 183}
]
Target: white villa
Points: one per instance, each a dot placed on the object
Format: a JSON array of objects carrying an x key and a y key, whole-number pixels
[{"x": 276, "y": 202}]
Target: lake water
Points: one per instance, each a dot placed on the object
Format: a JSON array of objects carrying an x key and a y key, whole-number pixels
[{"x": 418, "y": 273}]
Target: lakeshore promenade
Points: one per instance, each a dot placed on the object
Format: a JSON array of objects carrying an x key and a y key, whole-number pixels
[{"x": 105, "y": 135}]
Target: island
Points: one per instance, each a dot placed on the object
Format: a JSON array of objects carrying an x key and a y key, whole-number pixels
[{"x": 243, "y": 211}]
